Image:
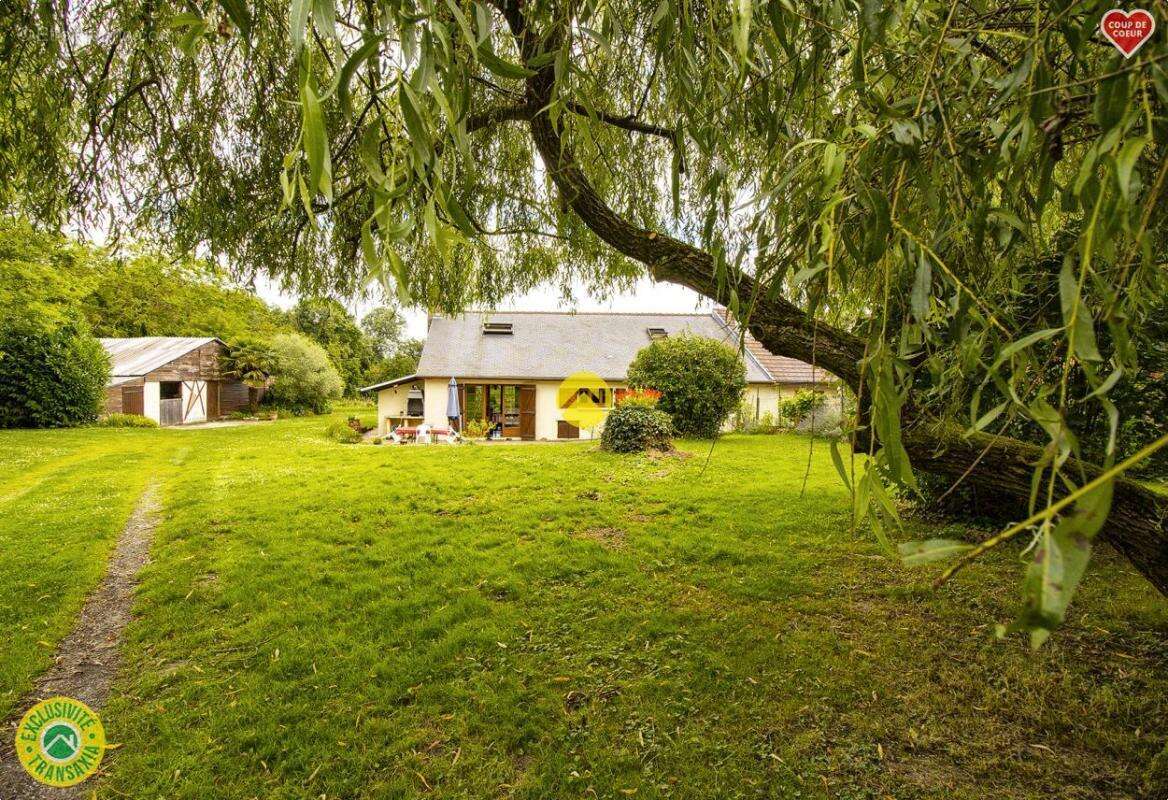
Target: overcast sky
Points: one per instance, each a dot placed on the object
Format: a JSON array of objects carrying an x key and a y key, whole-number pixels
[{"x": 647, "y": 296}]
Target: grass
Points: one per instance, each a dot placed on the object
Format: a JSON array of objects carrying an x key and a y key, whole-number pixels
[
  {"x": 64, "y": 497},
  {"x": 338, "y": 621}
]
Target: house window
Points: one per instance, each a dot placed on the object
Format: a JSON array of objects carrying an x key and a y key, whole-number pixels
[
  {"x": 510, "y": 406},
  {"x": 170, "y": 390},
  {"x": 497, "y": 328},
  {"x": 475, "y": 403},
  {"x": 657, "y": 333}
]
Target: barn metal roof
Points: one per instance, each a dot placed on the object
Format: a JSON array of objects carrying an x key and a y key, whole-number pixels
[
  {"x": 554, "y": 345},
  {"x": 144, "y": 354}
]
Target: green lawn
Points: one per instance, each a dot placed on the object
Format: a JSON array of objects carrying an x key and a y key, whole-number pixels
[
  {"x": 322, "y": 620},
  {"x": 64, "y": 497}
]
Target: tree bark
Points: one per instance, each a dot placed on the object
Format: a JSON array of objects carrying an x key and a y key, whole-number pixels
[{"x": 1138, "y": 523}]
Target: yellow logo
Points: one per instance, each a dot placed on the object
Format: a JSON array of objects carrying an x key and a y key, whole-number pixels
[
  {"x": 583, "y": 398},
  {"x": 60, "y": 741}
]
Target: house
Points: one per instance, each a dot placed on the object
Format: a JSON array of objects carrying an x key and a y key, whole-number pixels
[
  {"x": 171, "y": 379},
  {"x": 509, "y": 365}
]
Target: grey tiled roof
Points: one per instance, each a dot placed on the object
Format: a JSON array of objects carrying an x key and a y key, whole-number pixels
[{"x": 553, "y": 345}]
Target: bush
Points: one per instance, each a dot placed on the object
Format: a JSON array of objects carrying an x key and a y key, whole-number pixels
[
  {"x": 799, "y": 406},
  {"x": 250, "y": 360},
  {"x": 343, "y": 433},
  {"x": 51, "y": 375},
  {"x": 631, "y": 428},
  {"x": 356, "y": 424},
  {"x": 126, "y": 421},
  {"x": 476, "y": 429},
  {"x": 700, "y": 380},
  {"x": 303, "y": 378}
]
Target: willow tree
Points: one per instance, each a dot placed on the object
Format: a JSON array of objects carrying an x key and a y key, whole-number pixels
[{"x": 949, "y": 204}]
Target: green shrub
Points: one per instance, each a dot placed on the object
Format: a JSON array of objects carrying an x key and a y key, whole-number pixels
[
  {"x": 126, "y": 421},
  {"x": 52, "y": 375},
  {"x": 701, "y": 381},
  {"x": 766, "y": 423},
  {"x": 303, "y": 378},
  {"x": 250, "y": 360},
  {"x": 797, "y": 407},
  {"x": 635, "y": 428},
  {"x": 476, "y": 429},
  {"x": 356, "y": 424},
  {"x": 341, "y": 432}
]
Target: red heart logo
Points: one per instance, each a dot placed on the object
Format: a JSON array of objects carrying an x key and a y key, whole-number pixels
[{"x": 1127, "y": 31}]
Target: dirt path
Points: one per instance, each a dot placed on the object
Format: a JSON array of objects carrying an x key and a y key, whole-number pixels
[{"x": 87, "y": 659}]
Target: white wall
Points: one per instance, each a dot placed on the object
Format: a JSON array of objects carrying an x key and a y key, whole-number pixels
[
  {"x": 392, "y": 402},
  {"x": 150, "y": 401},
  {"x": 762, "y": 398},
  {"x": 435, "y": 401},
  {"x": 546, "y": 410}
]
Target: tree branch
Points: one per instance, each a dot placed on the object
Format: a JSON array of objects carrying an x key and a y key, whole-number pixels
[{"x": 627, "y": 122}]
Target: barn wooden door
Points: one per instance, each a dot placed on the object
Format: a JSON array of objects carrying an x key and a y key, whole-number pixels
[
  {"x": 213, "y": 400},
  {"x": 133, "y": 401},
  {"x": 195, "y": 409},
  {"x": 170, "y": 411},
  {"x": 527, "y": 412}
]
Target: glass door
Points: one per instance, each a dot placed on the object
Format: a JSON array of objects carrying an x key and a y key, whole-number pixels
[
  {"x": 510, "y": 410},
  {"x": 495, "y": 406}
]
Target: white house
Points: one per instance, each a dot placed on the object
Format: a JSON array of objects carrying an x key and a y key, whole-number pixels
[{"x": 509, "y": 366}]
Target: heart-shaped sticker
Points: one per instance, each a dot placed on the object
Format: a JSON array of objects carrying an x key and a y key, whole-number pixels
[{"x": 1127, "y": 30}]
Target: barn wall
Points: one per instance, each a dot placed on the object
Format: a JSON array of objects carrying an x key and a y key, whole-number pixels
[
  {"x": 132, "y": 398},
  {"x": 113, "y": 399},
  {"x": 233, "y": 396},
  {"x": 200, "y": 364}
]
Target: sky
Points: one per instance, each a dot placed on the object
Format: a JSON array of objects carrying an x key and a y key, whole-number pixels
[{"x": 645, "y": 296}]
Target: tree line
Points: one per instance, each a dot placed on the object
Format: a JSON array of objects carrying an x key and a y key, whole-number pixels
[{"x": 68, "y": 292}]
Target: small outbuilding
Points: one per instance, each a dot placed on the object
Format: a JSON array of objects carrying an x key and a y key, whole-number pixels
[{"x": 173, "y": 380}]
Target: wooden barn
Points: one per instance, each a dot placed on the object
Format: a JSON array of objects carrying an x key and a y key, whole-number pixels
[{"x": 173, "y": 380}]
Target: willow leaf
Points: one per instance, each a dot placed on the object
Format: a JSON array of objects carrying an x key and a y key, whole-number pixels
[{"x": 502, "y": 67}]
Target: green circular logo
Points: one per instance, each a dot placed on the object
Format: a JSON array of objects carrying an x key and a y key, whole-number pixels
[{"x": 60, "y": 741}]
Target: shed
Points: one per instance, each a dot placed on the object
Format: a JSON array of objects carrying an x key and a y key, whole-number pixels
[{"x": 171, "y": 379}]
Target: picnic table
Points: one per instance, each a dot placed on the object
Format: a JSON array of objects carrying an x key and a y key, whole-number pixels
[{"x": 423, "y": 433}]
